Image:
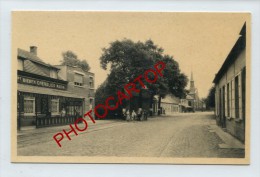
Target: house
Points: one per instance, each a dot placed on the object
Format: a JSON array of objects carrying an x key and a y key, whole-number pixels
[
  {"x": 44, "y": 98},
  {"x": 80, "y": 83},
  {"x": 170, "y": 104},
  {"x": 230, "y": 95}
]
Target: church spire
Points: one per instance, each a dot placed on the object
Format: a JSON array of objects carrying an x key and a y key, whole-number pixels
[{"x": 192, "y": 86}]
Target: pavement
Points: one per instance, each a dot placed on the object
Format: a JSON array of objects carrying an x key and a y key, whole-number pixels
[{"x": 178, "y": 135}]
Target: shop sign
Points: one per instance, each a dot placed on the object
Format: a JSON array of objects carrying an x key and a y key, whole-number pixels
[{"x": 40, "y": 83}]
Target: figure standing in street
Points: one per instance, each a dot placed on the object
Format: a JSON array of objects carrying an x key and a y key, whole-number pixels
[
  {"x": 127, "y": 115},
  {"x": 133, "y": 115}
]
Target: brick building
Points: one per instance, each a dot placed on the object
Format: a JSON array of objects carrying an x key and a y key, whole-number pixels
[
  {"x": 230, "y": 83},
  {"x": 80, "y": 82}
]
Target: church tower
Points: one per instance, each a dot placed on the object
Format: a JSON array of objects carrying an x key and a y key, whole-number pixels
[{"x": 192, "y": 86}]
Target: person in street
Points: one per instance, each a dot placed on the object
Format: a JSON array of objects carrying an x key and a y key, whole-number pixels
[
  {"x": 133, "y": 115},
  {"x": 124, "y": 113},
  {"x": 139, "y": 114},
  {"x": 128, "y": 116}
]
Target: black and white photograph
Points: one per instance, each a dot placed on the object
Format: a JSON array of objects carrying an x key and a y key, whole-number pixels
[{"x": 131, "y": 87}]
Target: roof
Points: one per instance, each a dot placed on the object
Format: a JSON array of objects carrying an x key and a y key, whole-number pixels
[
  {"x": 234, "y": 53},
  {"x": 170, "y": 99},
  {"x": 189, "y": 97},
  {"x": 32, "y": 57},
  {"x": 33, "y": 68}
]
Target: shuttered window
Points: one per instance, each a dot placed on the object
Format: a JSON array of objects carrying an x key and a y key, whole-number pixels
[
  {"x": 236, "y": 97},
  {"x": 239, "y": 97},
  {"x": 225, "y": 101},
  {"x": 233, "y": 98},
  {"x": 78, "y": 79},
  {"x": 228, "y": 99},
  {"x": 91, "y": 82}
]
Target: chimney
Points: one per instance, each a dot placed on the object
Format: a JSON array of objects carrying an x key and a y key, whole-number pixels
[{"x": 33, "y": 50}]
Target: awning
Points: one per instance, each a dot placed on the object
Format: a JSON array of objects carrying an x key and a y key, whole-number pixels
[{"x": 46, "y": 91}]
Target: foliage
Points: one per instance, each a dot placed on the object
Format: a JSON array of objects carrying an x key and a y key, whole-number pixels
[
  {"x": 70, "y": 58},
  {"x": 210, "y": 100},
  {"x": 128, "y": 59}
]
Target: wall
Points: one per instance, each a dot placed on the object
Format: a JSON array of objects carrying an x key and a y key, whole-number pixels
[
  {"x": 85, "y": 91},
  {"x": 234, "y": 125}
]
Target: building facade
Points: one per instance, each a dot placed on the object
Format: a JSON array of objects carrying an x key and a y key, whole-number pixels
[
  {"x": 80, "y": 82},
  {"x": 184, "y": 105},
  {"x": 170, "y": 104},
  {"x": 230, "y": 95},
  {"x": 44, "y": 98}
]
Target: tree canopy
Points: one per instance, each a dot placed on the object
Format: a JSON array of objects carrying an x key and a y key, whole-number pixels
[
  {"x": 70, "y": 58},
  {"x": 128, "y": 59},
  {"x": 210, "y": 100}
]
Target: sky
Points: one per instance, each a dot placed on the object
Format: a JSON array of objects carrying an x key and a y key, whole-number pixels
[{"x": 199, "y": 42}]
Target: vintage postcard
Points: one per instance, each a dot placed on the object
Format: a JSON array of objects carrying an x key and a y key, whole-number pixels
[{"x": 131, "y": 87}]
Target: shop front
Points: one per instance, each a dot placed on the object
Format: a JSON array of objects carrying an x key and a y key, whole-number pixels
[{"x": 43, "y": 102}]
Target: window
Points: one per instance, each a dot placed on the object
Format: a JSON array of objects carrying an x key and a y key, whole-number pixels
[
  {"x": 236, "y": 97},
  {"x": 29, "y": 105},
  {"x": 78, "y": 79},
  {"x": 70, "y": 110},
  {"x": 91, "y": 82},
  {"x": 243, "y": 90},
  {"x": 53, "y": 74},
  {"x": 55, "y": 106},
  {"x": 228, "y": 99},
  {"x": 233, "y": 98}
]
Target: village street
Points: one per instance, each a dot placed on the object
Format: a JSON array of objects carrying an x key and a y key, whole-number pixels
[{"x": 179, "y": 135}]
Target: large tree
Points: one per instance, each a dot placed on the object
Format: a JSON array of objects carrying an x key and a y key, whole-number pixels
[
  {"x": 70, "y": 58},
  {"x": 128, "y": 59}
]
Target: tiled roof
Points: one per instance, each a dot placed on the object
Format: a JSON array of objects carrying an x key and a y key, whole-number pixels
[
  {"x": 170, "y": 99},
  {"x": 33, "y": 68},
  {"x": 28, "y": 55},
  {"x": 34, "y": 58}
]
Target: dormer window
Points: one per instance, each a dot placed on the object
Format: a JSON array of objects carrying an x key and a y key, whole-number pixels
[{"x": 53, "y": 74}]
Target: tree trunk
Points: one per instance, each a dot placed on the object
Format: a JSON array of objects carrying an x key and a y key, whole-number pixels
[
  {"x": 140, "y": 99},
  {"x": 151, "y": 105},
  {"x": 159, "y": 105}
]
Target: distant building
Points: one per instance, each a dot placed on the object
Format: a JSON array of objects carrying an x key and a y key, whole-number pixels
[
  {"x": 170, "y": 104},
  {"x": 230, "y": 95},
  {"x": 184, "y": 105},
  {"x": 194, "y": 103}
]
